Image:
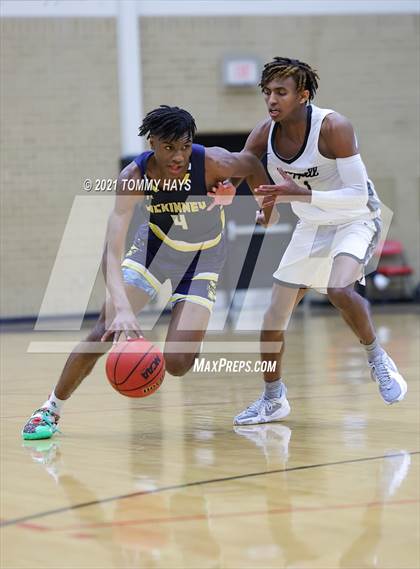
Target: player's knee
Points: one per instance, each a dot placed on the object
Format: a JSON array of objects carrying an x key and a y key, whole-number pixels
[
  {"x": 340, "y": 297},
  {"x": 178, "y": 364},
  {"x": 275, "y": 318}
]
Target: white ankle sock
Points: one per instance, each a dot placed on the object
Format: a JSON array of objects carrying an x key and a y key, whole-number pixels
[
  {"x": 373, "y": 350},
  {"x": 54, "y": 404}
]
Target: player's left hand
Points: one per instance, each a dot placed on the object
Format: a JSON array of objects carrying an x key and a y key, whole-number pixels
[
  {"x": 223, "y": 194},
  {"x": 286, "y": 191}
]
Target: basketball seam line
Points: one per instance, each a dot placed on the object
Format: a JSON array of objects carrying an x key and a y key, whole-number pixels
[
  {"x": 116, "y": 361},
  {"x": 137, "y": 365},
  {"x": 146, "y": 384},
  {"x": 134, "y": 368}
]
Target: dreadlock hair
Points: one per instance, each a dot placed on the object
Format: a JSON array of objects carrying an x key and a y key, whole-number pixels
[
  {"x": 169, "y": 123},
  {"x": 305, "y": 77}
]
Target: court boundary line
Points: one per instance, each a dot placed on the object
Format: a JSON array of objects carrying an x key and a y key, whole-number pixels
[{"x": 16, "y": 521}]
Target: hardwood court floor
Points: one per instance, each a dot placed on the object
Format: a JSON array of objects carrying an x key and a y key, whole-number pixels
[{"x": 167, "y": 482}]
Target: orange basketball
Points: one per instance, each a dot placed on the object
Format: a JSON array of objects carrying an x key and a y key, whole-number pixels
[{"x": 135, "y": 368}]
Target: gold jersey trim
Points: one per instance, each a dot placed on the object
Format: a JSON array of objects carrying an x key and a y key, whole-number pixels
[
  {"x": 192, "y": 298},
  {"x": 141, "y": 269},
  {"x": 184, "y": 245}
]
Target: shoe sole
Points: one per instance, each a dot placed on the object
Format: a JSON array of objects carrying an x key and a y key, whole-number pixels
[
  {"x": 262, "y": 420},
  {"x": 36, "y": 436}
]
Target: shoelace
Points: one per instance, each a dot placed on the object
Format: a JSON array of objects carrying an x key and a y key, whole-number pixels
[
  {"x": 47, "y": 417},
  {"x": 255, "y": 406},
  {"x": 382, "y": 373},
  {"x": 268, "y": 403},
  {"x": 263, "y": 400}
]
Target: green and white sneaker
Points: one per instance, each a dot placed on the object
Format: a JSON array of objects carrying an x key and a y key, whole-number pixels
[{"x": 41, "y": 425}]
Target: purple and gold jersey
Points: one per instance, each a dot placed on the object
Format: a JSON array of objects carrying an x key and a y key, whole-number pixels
[{"x": 178, "y": 208}]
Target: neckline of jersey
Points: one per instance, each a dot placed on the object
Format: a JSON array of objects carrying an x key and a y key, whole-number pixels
[
  {"x": 305, "y": 141},
  {"x": 146, "y": 177}
]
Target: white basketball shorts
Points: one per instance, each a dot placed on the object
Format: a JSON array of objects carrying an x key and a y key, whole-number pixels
[{"x": 308, "y": 259}]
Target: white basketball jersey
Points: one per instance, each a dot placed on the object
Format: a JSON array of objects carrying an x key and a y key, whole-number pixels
[{"x": 310, "y": 169}]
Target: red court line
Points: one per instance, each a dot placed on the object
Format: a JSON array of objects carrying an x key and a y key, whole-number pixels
[
  {"x": 197, "y": 517},
  {"x": 34, "y": 527}
]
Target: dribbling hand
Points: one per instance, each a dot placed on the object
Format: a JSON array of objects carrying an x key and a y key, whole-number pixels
[{"x": 124, "y": 326}]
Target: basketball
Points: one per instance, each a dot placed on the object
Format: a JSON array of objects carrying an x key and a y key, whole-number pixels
[{"x": 135, "y": 368}]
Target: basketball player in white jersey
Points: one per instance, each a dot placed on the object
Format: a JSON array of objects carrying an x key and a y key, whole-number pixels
[{"x": 314, "y": 161}]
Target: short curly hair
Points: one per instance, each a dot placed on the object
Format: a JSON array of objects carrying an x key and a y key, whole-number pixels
[{"x": 305, "y": 77}]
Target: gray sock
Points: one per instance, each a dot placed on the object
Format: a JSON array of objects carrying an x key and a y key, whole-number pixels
[
  {"x": 373, "y": 350},
  {"x": 273, "y": 389}
]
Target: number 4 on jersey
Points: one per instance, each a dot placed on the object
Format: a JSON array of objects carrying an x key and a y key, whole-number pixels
[{"x": 180, "y": 220}]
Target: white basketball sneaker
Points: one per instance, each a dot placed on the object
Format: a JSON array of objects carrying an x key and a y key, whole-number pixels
[
  {"x": 265, "y": 410},
  {"x": 392, "y": 385}
]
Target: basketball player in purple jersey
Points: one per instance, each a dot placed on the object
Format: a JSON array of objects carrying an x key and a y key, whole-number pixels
[
  {"x": 182, "y": 241},
  {"x": 314, "y": 161}
]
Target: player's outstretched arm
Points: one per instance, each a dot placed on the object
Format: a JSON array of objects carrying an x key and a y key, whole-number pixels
[
  {"x": 222, "y": 164},
  {"x": 118, "y": 223}
]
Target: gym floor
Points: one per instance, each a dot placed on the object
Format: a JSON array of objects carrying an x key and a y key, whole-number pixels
[{"x": 168, "y": 482}]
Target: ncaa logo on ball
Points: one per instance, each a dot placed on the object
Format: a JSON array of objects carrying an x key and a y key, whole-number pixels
[{"x": 149, "y": 370}]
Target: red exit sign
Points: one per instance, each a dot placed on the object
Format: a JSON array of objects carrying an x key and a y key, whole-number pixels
[{"x": 241, "y": 72}]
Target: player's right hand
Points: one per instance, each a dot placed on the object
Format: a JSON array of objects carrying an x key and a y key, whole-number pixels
[{"x": 124, "y": 326}]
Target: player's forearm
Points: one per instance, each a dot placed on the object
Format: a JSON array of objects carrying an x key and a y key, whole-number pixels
[
  {"x": 246, "y": 165},
  {"x": 258, "y": 177},
  {"x": 236, "y": 181},
  {"x": 271, "y": 215},
  {"x": 115, "y": 247},
  {"x": 345, "y": 198},
  {"x": 353, "y": 194}
]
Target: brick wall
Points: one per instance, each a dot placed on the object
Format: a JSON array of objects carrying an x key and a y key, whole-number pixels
[
  {"x": 59, "y": 125},
  {"x": 59, "y": 112}
]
